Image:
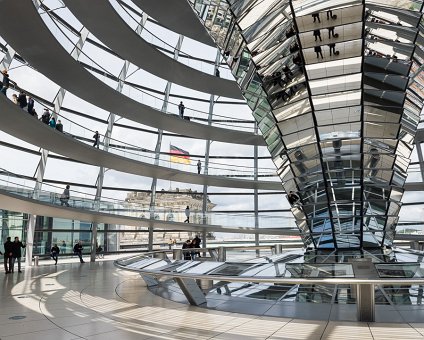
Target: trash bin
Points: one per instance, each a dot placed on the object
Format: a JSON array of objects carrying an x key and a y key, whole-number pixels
[{"x": 36, "y": 258}]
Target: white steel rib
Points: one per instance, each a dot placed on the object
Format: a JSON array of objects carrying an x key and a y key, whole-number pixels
[
  {"x": 36, "y": 44},
  {"x": 101, "y": 19},
  {"x": 178, "y": 16},
  {"x": 13, "y": 202},
  {"x": 20, "y": 124}
]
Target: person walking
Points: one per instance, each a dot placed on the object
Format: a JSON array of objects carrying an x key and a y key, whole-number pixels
[
  {"x": 8, "y": 255},
  {"x": 54, "y": 253},
  {"x": 17, "y": 253},
  {"x": 181, "y": 108},
  {"x": 78, "y": 250},
  {"x": 64, "y": 198},
  {"x": 59, "y": 126},
  {"x": 199, "y": 166},
  {"x": 187, "y": 213},
  {"x": 96, "y": 139}
]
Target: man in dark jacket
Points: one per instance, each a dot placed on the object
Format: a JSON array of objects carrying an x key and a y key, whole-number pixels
[
  {"x": 78, "y": 250},
  {"x": 96, "y": 139},
  {"x": 196, "y": 244},
  {"x": 59, "y": 126},
  {"x": 30, "y": 107},
  {"x": 22, "y": 100},
  {"x": 17, "y": 253},
  {"x": 187, "y": 254},
  {"x": 54, "y": 253},
  {"x": 8, "y": 258},
  {"x": 45, "y": 118}
]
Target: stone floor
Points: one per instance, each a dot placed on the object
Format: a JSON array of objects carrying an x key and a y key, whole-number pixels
[{"x": 99, "y": 301}]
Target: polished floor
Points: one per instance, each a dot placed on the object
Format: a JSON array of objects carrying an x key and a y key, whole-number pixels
[{"x": 99, "y": 301}]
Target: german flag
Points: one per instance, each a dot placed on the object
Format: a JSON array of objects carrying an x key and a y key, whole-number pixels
[{"x": 179, "y": 155}]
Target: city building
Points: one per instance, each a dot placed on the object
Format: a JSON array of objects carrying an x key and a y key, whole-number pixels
[{"x": 169, "y": 207}]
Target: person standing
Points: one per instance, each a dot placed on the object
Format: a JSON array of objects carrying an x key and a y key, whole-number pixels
[
  {"x": 45, "y": 118},
  {"x": 6, "y": 82},
  {"x": 318, "y": 51},
  {"x": 63, "y": 247},
  {"x": 8, "y": 255},
  {"x": 315, "y": 16},
  {"x": 64, "y": 198},
  {"x": 332, "y": 47},
  {"x": 96, "y": 139},
  {"x": 187, "y": 245},
  {"x": 181, "y": 108},
  {"x": 17, "y": 253},
  {"x": 187, "y": 213},
  {"x": 196, "y": 244},
  {"x": 52, "y": 123},
  {"x": 54, "y": 253},
  {"x": 331, "y": 32},
  {"x": 199, "y": 166},
  {"x": 292, "y": 197},
  {"x": 317, "y": 34},
  {"x": 22, "y": 100},
  {"x": 78, "y": 250},
  {"x": 30, "y": 106},
  {"x": 59, "y": 126}
]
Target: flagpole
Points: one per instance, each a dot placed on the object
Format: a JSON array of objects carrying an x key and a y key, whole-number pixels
[{"x": 170, "y": 188}]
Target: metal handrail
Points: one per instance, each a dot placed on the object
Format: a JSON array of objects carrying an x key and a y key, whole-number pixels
[{"x": 265, "y": 279}]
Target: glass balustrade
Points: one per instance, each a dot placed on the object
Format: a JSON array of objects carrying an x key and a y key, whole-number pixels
[
  {"x": 52, "y": 194},
  {"x": 126, "y": 150}
]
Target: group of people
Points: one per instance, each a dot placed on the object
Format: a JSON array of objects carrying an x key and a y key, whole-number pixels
[
  {"x": 47, "y": 118},
  {"x": 55, "y": 251},
  {"x": 194, "y": 243},
  {"x": 12, "y": 252}
]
